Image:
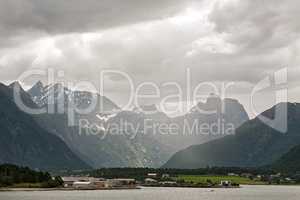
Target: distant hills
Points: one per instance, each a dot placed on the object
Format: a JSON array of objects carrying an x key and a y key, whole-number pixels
[
  {"x": 254, "y": 144},
  {"x": 24, "y": 142}
]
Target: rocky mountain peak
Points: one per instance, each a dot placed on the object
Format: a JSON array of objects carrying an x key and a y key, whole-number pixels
[
  {"x": 15, "y": 84},
  {"x": 37, "y": 89}
]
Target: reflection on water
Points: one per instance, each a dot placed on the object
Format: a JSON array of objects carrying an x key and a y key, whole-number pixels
[{"x": 244, "y": 193}]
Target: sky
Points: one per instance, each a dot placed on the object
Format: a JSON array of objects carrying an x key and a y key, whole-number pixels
[{"x": 187, "y": 42}]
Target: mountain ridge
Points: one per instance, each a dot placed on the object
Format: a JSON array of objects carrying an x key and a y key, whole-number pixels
[
  {"x": 254, "y": 144},
  {"x": 121, "y": 150}
]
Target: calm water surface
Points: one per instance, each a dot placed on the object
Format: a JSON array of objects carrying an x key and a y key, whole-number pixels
[{"x": 244, "y": 193}]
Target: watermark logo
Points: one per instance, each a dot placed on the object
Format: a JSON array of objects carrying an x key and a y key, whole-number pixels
[
  {"x": 278, "y": 119},
  {"x": 87, "y": 110}
]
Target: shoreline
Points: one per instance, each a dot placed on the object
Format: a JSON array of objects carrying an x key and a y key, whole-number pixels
[
  {"x": 59, "y": 189},
  {"x": 207, "y": 187},
  {"x": 73, "y": 189},
  {"x": 129, "y": 188}
]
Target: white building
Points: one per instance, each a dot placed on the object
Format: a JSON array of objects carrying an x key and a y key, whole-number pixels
[{"x": 83, "y": 185}]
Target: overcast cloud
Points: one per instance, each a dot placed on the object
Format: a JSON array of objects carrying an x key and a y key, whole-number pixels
[{"x": 220, "y": 41}]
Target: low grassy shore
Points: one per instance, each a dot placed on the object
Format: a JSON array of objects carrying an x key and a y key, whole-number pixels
[
  {"x": 192, "y": 186},
  {"x": 216, "y": 180}
]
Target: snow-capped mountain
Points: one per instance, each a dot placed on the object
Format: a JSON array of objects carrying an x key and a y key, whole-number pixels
[
  {"x": 60, "y": 95},
  {"x": 143, "y": 137},
  {"x": 83, "y": 105},
  {"x": 105, "y": 147}
]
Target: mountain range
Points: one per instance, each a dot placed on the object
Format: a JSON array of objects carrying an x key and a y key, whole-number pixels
[
  {"x": 130, "y": 146},
  {"x": 254, "y": 144},
  {"x": 216, "y": 132},
  {"x": 102, "y": 148}
]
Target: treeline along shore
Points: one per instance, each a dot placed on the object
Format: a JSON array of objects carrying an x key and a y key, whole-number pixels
[
  {"x": 24, "y": 177},
  {"x": 14, "y": 177}
]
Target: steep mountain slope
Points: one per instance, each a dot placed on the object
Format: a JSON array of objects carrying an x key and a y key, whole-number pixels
[
  {"x": 24, "y": 142},
  {"x": 255, "y": 144},
  {"x": 114, "y": 148},
  {"x": 126, "y": 138},
  {"x": 289, "y": 162},
  {"x": 154, "y": 133},
  {"x": 100, "y": 147},
  {"x": 207, "y": 121}
]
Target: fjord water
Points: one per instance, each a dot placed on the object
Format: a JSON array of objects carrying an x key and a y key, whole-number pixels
[{"x": 244, "y": 193}]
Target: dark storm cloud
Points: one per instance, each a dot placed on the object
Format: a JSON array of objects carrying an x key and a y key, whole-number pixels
[
  {"x": 219, "y": 40},
  {"x": 57, "y": 16}
]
